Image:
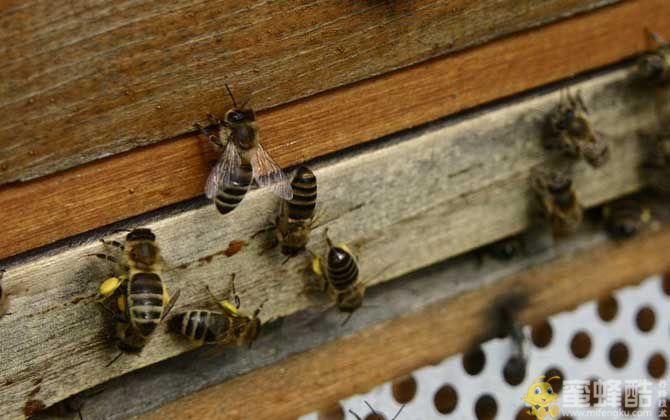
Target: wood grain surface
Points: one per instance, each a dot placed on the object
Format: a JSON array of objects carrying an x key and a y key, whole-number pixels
[
  {"x": 354, "y": 364},
  {"x": 147, "y": 389},
  {"x": 58, "y": 206},
  {"x": 473, "y": 176},
  {"x": 83, "y": 80}
]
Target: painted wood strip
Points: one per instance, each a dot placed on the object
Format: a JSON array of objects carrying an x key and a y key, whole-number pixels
[{"x": 84, "y": 80}]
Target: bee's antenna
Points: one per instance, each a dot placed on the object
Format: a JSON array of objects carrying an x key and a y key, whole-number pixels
[
  {"x": 258, "y": 310},
  {"x": 114, "y": 359},
  {"x": 353, "y": 413},
  {"x": 287, "y": 258},
  {"x": 328, "y": 241},
  {"x": 347, "y": 319},
  {"x": 371, "y": 409},
  {"x": 231, "y": 95},
  {"x": 398, "y": 413}
]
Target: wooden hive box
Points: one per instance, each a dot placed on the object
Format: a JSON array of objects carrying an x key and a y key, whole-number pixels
[{"x": 422, "y": 121}]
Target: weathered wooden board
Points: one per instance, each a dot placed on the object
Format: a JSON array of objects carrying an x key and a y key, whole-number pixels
[
  {"x": 406, "y": 202},
  {"x": 84, "y": 80},
  {"x": 148, "y": 388},
  {"x": 109, "y": 190},
  {"x": 357, "y": 362}
]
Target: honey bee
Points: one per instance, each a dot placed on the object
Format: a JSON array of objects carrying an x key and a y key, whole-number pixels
[
  {"x": 4, "y": 300},
  {"x": 571, "y": 131},
  {"x": 654, "y": 67},
  {"x": 374, "y": 413},
  {"x": 228, "y": 327},
  {"x": 242, "y": 161},
  {"x": 557, "y": 201},
  {"x": 338, "y": 275},
  {"x": 296, "y": 215},
  {"x": 658, "y": 166},
  {"x": 142, "y": 300},
  {"x": 625, "y": 218}
]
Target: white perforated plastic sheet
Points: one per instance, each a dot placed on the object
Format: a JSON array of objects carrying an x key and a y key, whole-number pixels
[{"x": 557, "y": 353}]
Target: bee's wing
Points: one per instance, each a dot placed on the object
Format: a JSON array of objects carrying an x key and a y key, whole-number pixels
[
  {"x": 596, "y": 151},
  {"x": 268, "y": 173},
  {"x": 222, "y": 172}
]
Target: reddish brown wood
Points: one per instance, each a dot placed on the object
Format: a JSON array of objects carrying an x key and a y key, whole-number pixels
[
  {"x": 54, "y": 207},
  {"x": 82, "y": 80}
]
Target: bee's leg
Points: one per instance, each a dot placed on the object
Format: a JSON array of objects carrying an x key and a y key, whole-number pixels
[
  {"x": 314, "y": 223},
  {"x": 260, "y": 307},
  {"x": 109, "y": 258},
  {"x": 263, "y": 230},
  {"x": 318, "y": 281},
  {"x": 271, "y": 225},
  {"x": 328, "y": 241},
  {"x": 656, "y": 38},
  {"x": 213, "y": 138},
  {"x": 110, "y": 286},
  {"x": 116, "y": 244},
  {"x": 233, "y": 293},
  {"x": 170, "y": 303},
  {"x": 225, "y": 304},
  {"x": 580, "y": 101},
  {"x": 214, "y": 120},
  {"x": 115, "y": 315}
]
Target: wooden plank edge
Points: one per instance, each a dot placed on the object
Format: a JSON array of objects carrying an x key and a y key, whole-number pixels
[{"x": 45, "y": 210}]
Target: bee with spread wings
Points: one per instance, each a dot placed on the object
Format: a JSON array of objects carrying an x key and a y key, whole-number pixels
[{"x": 243, "y": 160}]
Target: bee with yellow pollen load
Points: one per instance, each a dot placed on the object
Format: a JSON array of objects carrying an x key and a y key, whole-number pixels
[{"x": 540, "y": 397}]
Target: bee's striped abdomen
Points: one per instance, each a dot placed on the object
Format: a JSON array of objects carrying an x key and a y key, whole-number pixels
[
  {"x": 231, "y": 194},
  {"x": 145, "y": 302},
  {"x": 301, "y": 206},
  {"x": 200, "y": 325},
  {"x": 342, "y": 269}
]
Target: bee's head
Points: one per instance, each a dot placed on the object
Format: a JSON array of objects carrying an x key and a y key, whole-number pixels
[
  {"x": 237, "y": 116},
  {"x": 141, "y": 234},
  {"x": 651, "y": 67},
  {"x": 558, "y": 183}
]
